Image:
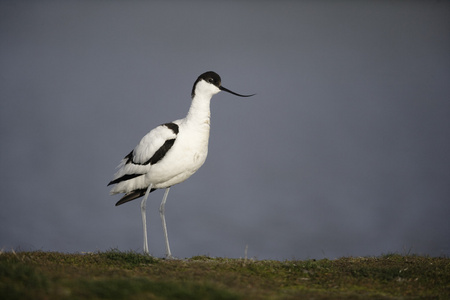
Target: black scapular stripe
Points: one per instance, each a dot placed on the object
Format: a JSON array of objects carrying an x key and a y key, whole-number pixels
[
  {"x": 157, "y": 156},
  {"x": 172, "y": 126}
]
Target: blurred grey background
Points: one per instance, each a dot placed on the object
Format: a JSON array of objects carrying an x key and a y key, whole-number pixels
[{"x": 345, "y": 149}]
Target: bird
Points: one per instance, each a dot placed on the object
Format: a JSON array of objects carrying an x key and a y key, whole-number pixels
[{"x": 169, "y": 154}]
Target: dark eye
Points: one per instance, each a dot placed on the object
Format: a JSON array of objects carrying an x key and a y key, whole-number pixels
[{"x": 210, "y": 80}]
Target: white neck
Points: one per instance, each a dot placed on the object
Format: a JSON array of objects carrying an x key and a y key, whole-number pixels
[{"x": 199, "y": 112}]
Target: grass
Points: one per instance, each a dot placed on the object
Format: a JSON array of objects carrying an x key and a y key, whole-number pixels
[{"x": 129, "y": 275}]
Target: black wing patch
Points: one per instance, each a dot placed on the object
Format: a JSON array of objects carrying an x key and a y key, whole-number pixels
[
  {"x": 124, "y": 178},
  {"x": 157, "y": 156},
  {"x": 129, "y": 157}
]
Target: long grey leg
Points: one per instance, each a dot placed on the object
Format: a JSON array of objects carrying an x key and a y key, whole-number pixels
[
  {"x": 163, "y": 220},
  {"x": 144, "y": 219}
]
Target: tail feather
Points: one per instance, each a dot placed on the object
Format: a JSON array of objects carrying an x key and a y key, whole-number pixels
[{"x": 132, "y": 195}]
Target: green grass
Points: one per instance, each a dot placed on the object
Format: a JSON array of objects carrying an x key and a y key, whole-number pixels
[{"x": 129, "y": 275}]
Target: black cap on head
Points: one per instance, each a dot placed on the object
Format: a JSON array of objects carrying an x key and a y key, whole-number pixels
[{"x": 214, "y": 78}]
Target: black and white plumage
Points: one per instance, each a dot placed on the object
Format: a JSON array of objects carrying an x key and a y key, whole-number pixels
[{"x": 170, "y": 153}]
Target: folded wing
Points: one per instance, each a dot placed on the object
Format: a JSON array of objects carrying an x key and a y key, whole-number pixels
[{"x": 130, "y": 178}]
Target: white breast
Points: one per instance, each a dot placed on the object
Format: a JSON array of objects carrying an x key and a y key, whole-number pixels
[{"x": 186, "y": 156}]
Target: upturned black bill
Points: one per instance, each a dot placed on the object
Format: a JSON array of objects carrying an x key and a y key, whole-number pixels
[{"x": 231, "y": 92}]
